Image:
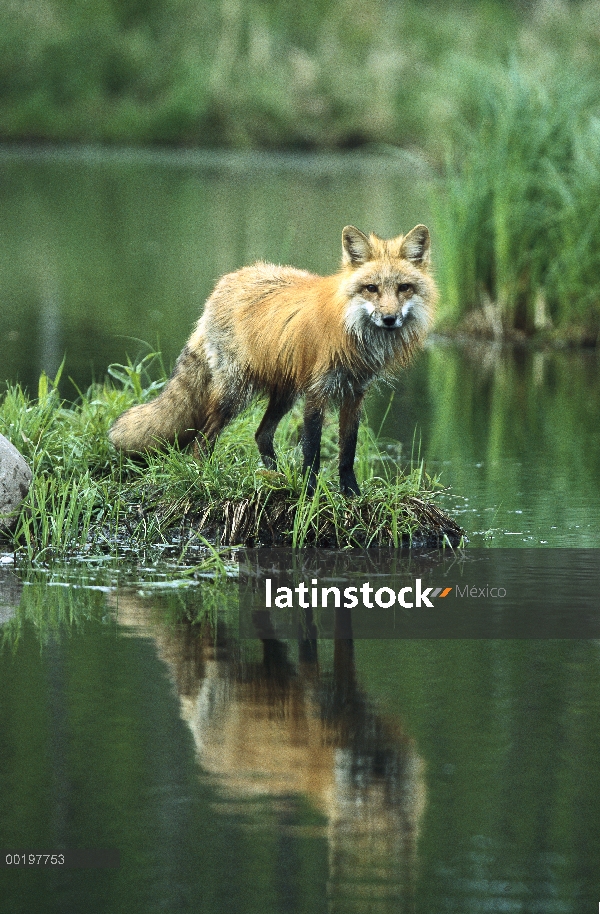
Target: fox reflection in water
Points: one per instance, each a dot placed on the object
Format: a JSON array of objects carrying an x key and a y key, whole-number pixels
[{"x": 276, "y": 729}]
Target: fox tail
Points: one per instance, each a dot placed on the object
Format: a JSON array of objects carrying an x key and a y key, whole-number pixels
[{"x": 180, "y": 412}]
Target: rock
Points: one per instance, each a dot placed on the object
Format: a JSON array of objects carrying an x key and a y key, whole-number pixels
[{"x": 15, "y": 479}]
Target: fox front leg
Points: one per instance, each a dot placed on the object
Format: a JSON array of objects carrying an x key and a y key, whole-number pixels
[
  {"x": 349, "y": 421},
  {"x": 311, "y": 443}
]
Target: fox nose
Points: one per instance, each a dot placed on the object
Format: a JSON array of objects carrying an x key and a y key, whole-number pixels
[{"x": 389, "y": 320}]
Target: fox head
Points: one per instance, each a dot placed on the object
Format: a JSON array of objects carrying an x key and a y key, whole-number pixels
[{"x": 387, "y": 283}]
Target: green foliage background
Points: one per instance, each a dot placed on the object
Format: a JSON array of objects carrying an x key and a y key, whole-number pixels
[
  {"x": 269, "y": 74},
  {"x": 502, "y": 99}
]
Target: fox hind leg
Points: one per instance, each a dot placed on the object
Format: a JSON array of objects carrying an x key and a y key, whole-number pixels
[
  {"x": 219, "y": 413},
  {"x": 279, "y": 405}
]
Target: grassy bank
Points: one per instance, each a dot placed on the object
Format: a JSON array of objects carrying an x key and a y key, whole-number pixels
[
  {"x": 86, "y": 502},
  {"x": 252, "y": 74}
]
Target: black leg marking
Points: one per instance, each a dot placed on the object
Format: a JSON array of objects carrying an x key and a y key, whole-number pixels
[
  {"x": 349, "y": 421},
  {"x": 311, "y": 444},
  {"x": 278, "y": 406}
]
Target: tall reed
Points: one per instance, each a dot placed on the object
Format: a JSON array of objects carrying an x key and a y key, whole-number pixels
[{"x": 517, "y": 210}]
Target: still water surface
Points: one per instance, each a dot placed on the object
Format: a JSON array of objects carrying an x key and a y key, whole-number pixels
[
  {"x": 411, "y": 776},
  {"x": 379, "y": 776}
]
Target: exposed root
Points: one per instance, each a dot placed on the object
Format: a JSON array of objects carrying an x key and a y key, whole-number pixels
[{"x": 275, "y": 519}]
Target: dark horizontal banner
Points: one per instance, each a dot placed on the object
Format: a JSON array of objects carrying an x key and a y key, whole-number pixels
[{"x": 475, "y": 593}]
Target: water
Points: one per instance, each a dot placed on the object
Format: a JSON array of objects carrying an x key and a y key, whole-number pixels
[
  {"x": 512, "y": 433},
  {"x": 245, "y": 776},
  {"x": 240, "y": 776}
]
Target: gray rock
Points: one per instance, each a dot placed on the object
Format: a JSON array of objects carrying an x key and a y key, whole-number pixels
[{"x": 15, "y": 479}]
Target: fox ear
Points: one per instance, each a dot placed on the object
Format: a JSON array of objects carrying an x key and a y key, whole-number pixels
[
  {"x": 356, "y": 246},
  {"x": 415, "y": 246}
]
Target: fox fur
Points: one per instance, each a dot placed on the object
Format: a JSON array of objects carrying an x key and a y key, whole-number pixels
[{"x": 287, "y": 333}]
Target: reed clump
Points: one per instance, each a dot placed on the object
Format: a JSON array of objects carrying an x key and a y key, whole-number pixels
[{"x": 517, "y": 213}]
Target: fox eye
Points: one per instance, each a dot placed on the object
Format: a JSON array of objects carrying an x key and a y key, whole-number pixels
[
  {"x": 405, "y": 287},
  {"x": 371, "y": 287}
]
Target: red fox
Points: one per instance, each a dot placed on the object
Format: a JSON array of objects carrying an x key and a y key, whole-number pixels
[{"x": 285, "y": 332}]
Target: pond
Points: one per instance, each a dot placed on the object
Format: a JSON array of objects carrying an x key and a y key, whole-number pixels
[
  {"x": 230, "y": 775},
  {"x": 240, "y": 775}
]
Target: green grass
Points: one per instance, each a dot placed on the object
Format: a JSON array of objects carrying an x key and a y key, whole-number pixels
[
  {"x": 86, "y": 501},
  {"x": 262, "y": 74}
]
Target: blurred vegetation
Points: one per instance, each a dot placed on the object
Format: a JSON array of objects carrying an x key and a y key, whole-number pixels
[
  {"x": 518, "y": 213},
  {"x": 265, "y": 73},
  {"x": 501, "y": 98}
]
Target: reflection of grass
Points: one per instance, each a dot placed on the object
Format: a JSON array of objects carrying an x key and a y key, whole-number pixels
[
  {"x": 515, "y": 427},
  {"x": 85, "y": 501},
  {"x": 73, "y": 596}
]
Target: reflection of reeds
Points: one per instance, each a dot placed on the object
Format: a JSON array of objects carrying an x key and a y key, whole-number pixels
[{"x": 515, "y": 427}]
